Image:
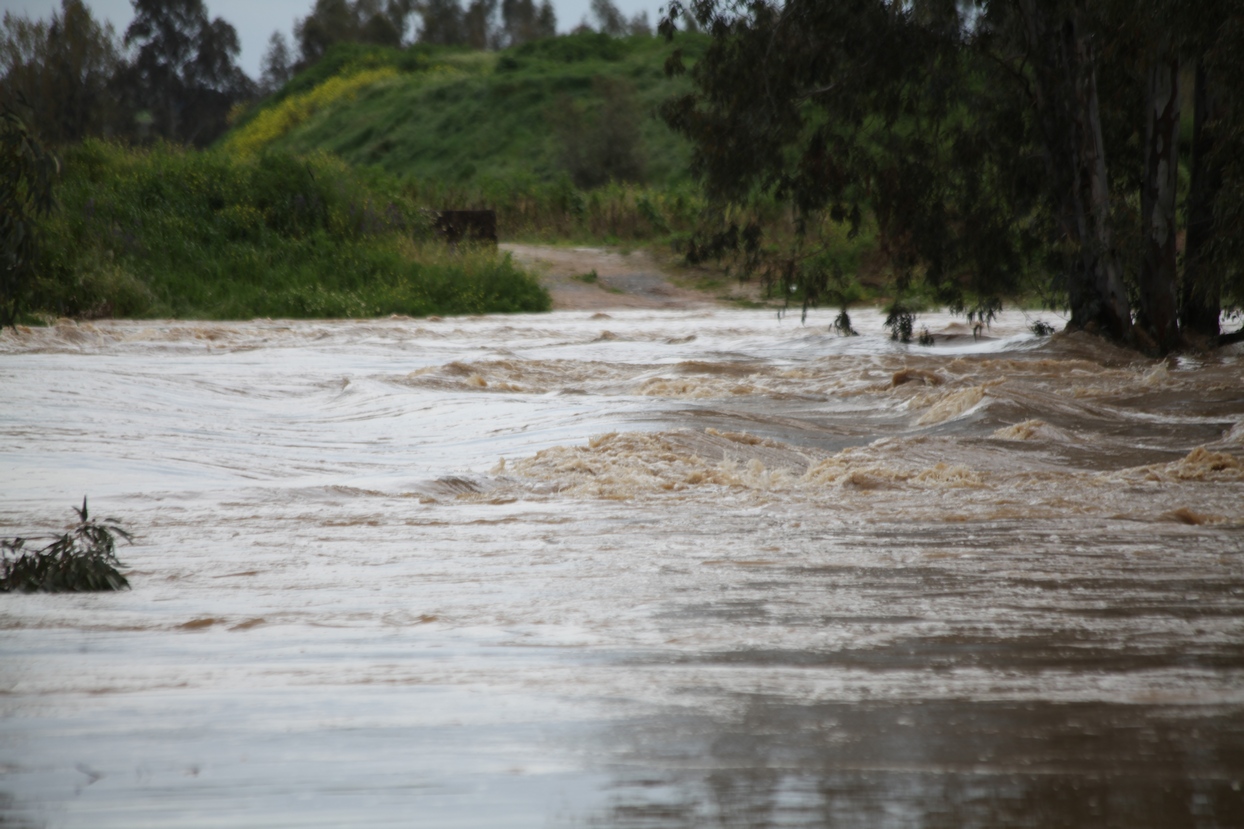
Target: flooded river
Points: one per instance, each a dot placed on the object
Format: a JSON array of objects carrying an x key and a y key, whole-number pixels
[{"x": 649, "y": 568}]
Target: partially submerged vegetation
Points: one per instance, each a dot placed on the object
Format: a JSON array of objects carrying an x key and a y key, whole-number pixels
[
  {"x": 991, "y": 143},
  {"x": 83, "y": 559}
]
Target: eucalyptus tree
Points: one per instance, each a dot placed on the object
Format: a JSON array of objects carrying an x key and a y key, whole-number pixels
[
  {"x": 343, "y": 21},
  {"x": 481, "y": 32},
  {"x": 66, "y": 69},
  {"x": 990, "y": 139},
  {"x": 442, "y": 22},
  {"x": 610, "y": 18},
  {"x": 277, "y": 67},
  {"x": 523, "y": 21},
  {"x": 1107, "y": 80},
  {"x": 862, "y": 107},
  {"x": 1214, "y": 250},
  {"x": 184, "y": 70}
]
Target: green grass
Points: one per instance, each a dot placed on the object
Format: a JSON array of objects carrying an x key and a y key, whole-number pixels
[
  {"x": 475, "y": 130},
  {"x": 454, "y": 116},
  {"x": 319, "y": 202},
  {"x": 175, "y": 233}
]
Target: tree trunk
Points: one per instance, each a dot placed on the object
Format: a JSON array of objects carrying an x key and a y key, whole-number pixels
[
  {"x": 1200, "y": 300},
  {"x": 1065, "y": 84},
  {"x": 1158, "y": 220},
  {"x": 1108, "y": 308}
]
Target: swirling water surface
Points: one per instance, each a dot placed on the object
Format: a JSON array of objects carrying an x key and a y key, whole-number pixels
[{"x": 637, "y": 569}]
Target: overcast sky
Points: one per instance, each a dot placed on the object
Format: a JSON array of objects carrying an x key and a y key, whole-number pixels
[{"x": 256, "y": 20}]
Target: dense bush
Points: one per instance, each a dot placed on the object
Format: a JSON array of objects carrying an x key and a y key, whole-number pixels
[
  {"x": 577, "y": 47},
  {"x": 170, "y": 232}
]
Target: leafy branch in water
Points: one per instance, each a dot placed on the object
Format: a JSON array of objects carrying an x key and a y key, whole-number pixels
[
  {"x": 1041, "y": 328},
  {"x": 82, "y": 559},
  {"x": 842, "y": 325},
  {"x": 901, "y": 321}
]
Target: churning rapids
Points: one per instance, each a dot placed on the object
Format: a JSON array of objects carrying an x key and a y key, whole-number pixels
[{"x": 696, "y": 568}]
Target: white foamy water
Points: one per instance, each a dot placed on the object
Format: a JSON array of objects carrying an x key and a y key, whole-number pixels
[{"x": 646, "y": 568}]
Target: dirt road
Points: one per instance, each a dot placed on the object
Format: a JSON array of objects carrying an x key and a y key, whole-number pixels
[{"x": 620, "y": 280}]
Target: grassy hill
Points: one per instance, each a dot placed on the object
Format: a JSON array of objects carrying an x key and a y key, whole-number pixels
[
  {"x": 526, "y": 115},
  {"x": 559, "y": 136}
]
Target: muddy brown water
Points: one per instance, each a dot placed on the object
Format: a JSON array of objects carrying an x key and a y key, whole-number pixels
[{"x": 646, "y": 567}]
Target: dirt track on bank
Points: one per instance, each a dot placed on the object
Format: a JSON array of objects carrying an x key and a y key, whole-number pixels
[{"x": 623, "y": 280}]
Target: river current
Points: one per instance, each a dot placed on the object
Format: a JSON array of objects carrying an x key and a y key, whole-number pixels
[{"x": 643, "y": 568}]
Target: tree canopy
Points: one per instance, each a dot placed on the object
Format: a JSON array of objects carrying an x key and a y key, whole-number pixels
[
  {"x": 341, "y": 21},
  {"x": 991, "y": 140},
  {"x": 174, "y": 76},
  {"x": 66, "y": 69},
  {"x": 184, "y": 71}
]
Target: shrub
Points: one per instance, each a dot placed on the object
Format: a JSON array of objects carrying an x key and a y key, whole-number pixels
[
  {"x": 606, "y": 145},
  {"x": 169, "y": 232},
  {"x": 575, "y": 48}
]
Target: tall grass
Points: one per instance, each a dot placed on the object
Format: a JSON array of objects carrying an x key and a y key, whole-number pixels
[{"x": 170, "y": 232}]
